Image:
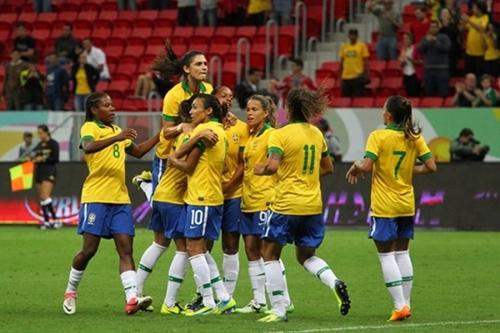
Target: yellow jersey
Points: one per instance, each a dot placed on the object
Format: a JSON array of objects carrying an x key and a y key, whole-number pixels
[
  {"x": 82, "y": 85},
  {"x": 204, "y": 185},
  {"x": 475, "y": 45},
  {"x": 173, "y": 182},
  {"x": 301, "y": 146},
  {"x": 105, "y": 182},
  {"x": 394, "y": 155},
  {"x": 170, "y": 112},
  {"x": 258, "y": 191},
  {"x": 352, "y": 56},
  {"x": 492, "y": 53},
  {"x": 237, "y": 137},
  {"x": 258, "y": 6}
]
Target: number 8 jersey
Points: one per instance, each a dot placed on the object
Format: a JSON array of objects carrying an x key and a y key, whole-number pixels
[
  {"x": 394, "y": 155},
  {"x": 301, "y": 146},
  {"x": 105, "y": 182}
]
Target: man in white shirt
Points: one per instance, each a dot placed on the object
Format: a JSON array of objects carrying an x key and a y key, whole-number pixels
[{"x": 97, "y": 58}]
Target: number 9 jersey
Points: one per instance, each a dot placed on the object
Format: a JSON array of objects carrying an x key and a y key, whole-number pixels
[
  {"x": 394, "y": 157},
  {"x": 105, "y": 182}
]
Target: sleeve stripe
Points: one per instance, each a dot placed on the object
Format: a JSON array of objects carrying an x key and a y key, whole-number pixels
[
  {"x": 200, "y": 144},
  {"x": 325, "y": 153},
  {"x": 87, "y": 138},
  {"x": 425, "y": 156},
  {"x": 275, "y": 150},
  {"x": 169, "y": 118},
  {"x": 371, "y": 155}
]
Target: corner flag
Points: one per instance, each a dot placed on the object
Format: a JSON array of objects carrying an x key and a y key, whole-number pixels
[{"x": 21, "y": 176}]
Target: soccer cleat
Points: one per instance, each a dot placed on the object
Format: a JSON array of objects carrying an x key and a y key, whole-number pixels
[
  {"x": 195, "y": 304},
  {"x": 289, "y": 309},
  {"x": 136, "y": 304},
  {"x": 175, "y": 309},
  {"x": 223, "y": 306},
  {"x": 401, "y": 314},
  {"x": 342, "y": 297},
  {"x": 69, "y": 304},
  {"x": 273, "y": 318},
  {"x": 252, "y": 307},
  {"x": 145, "y": 176},
  {"x": 150, "y": 308},
  {"x": 204, "y": 310}
]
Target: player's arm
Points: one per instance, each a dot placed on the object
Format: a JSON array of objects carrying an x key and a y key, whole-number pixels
[
  {"x": 89, "y": 145},
  {"x": 54, "y": 153},
  {"x": 143, "y": 148},
  {"x": 326, "y": 165},
  {"x": 429, "y": 166},
  {"x": 270, "y": 166},
  {"x": 189, "y": 164},
  {"x": 237, "y": 176},
  {"x": 358, "y": 168},
  {"x": 206, "y": 138}
]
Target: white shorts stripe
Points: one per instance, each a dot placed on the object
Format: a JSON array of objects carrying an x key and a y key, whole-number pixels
[
  {"x": 374, "y": 226},
  {"x": 205, "y": 218}
]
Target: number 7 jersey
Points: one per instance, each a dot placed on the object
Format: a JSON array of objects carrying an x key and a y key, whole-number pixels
[
  {"x": 301, "y": 146},
  {"x": 394, "y": 157}
]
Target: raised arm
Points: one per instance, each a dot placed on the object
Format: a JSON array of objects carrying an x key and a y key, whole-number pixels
[
  {"x": 143, "y": 148},
  {"x": 90, "y": 146}
]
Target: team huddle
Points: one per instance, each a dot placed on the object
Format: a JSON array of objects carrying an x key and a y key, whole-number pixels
[{"x": 215, "y": 176}]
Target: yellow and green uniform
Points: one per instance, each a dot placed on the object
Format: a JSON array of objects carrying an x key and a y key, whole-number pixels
[
  {"x": 352, "y": 56},
  {"x": 394, "y": 157},
  {"x": 82, "y": 84},
  {"x": 105, "y": 182},
  {"x": 204, "y": 185},
  {"x": 301, "y": 146},
  {"x": 258, "y": 191},
  {"x": 237, "y": 137},
  {"x": 171, "y": 102},
  {"x": 475, "y": 45}
]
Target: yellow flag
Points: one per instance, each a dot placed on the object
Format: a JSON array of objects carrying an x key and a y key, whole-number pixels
[{"x": 21, "y": 176}]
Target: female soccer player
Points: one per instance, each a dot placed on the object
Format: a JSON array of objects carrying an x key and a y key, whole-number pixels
[
  {"x": 298, "y": 154},
  {"x": 106, "y": 210},
  {"x": 391, "y": 154},
  {"x": 46, "y": 157},
  {"x": 204, "y": 198},
  {"x": 192, "y": 68}
]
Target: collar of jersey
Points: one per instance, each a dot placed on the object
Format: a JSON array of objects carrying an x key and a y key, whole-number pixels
[
  {"x": 214, "y": 120},
  {"x": 393, "y": 127},
  {"x": 264, "y": 128},
  {"x": 185, "y": 86},
  {"x": 99, "y": 123}
]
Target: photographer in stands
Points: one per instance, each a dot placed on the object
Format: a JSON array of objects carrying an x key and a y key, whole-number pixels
[{"x": 467, "y": 148}]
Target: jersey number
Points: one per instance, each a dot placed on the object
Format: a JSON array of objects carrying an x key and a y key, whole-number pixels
[
  {"x": 309, "y": 164},
  {"x": 116, "y": 150},
  {"x": 197, "y": 217},
  {"x": 401, "y": 155}
]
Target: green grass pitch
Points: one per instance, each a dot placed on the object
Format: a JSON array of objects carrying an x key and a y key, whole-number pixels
[{"x": 456, "y": 288}]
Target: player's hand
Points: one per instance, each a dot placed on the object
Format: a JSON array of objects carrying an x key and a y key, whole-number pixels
[
  {"x": 230, "y": 119},
  {"x": 353, "y": 174},
  {"x": 209, "y": 137},
  {"x": 128, "y": 133},
  {"x": 226, "y": 187},
  {"x": 259, "y": 169}
]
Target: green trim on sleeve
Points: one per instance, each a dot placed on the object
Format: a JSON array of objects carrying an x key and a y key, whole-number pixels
[
  {"x": 87, "y": 138},
  {"x": 130, "y": 147},
  {"x": 325, "y": 153},
  {"x": 242, "y": 148},
  {"x": 425, "y": 157},
  {"x": 275, "y": 150},
  {"x": 200, "y": 144},
  {"x": 169, "y": 118},
  {"x": 371, "y": 155}
]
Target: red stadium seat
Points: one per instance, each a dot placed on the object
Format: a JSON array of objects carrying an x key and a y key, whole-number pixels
[
  {"x": 40, "y": 35},
  {"x": 431, "y": 102},
  {"x": 101, "y": 31},
  {"x": 245, "y": 31},
  {"x": 286, "y": 40},
  {"x": 331, "y": 65},
  {"x": 377, "y": 67},
  {"x": 180, "y": 49},
  {"x": 68, "y": 16},
  {"x": 121, "y": 32},
  {"x": 164, "y": 22},
  {"x": 393, "y": 69},
  {"x": 45, "y": 17},
  {"x": 363, "y": 102},
  {"x": 373, "y": 86},
  {"x": 115, "y": 41},
  {"x": 109, "y": 6},
  {"x": 185, "y": 32},
  {"x": 225, "y": 32},
  {"x": 449, "y": 102},
  {"x": 162, "y": 32},
  {"x": 113, "y": 50},
  {"x": 89, "y": 16},
  {"x": 340, "y": 102},
  {"x": 379, "y": 101},
  {"x": 90, "y": 7},
  {"x": 134, "y": 50},
  {"x": 27, "y": 17},
  {"x": 153, "y": 50},
  {"x": 324, "y": 73},
  {"x": 218, "y": 49},
  {"x": 392, "y": 86},
  {"x": 202, "y": 47},
  {"x": 8, "y": 17},
  {"x": 415, "y": 101},
  {"x": 203, "y": 32},
  {"x": 141, "y": 32},
  {"x": 128, "y": 15},
  {"x": 108, "y": 15},
  {"x": 143, "y": 23},
  {"x": 150, "y": 15},
  {"x": 168, "y": 14}
]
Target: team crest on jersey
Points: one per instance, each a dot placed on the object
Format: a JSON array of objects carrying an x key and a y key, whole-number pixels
[
  {"x": 91, "y": 219},
  {"x": 235, "y": 138}
]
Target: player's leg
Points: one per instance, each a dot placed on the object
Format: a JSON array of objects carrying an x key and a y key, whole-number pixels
[
  {"x": 46, "y": 188},
  {"x": 230, "y": 243},
  {"x": 176, "y": 274},
  {"x": 402, "y": 254}
]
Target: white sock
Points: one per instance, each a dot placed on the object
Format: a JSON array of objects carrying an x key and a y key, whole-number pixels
[
  {"x": 319, "y": 268},
  {"x": 231, "y": 269},
  {"x": 129, "y": 283},
  {"x": 406, "y": 268},
  {"x": 176, "y": 275},
  {"x": 215, "y": 279},
  {"x": 283, "y": 271},
  {"x": 147, "y": 188},
  {"x": 258, "y": 280},
  {"x": 392, "y": 278},
  {"x": 201, "y": 273},
  {"x": 276, "y": 287},
  {"x": 147, "y": 263},
  {"x": 75, "y": 276}
]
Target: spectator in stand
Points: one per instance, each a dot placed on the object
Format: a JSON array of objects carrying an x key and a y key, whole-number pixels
[
  {"x": 24, "y": 43},
  {"x": 12, "y": 83},
  {"x": 450, "y": 29},
  {"x": 257, "y": 11},
  {"x": 435, "y": 48},
  {"x": 234, "y": 11},
  {"x": 66, "y": 43},
  {"x": 465, "y": 92},
  {"x": 297, "y": 79},
  {"x": 491, "y": 63},
  {"x": 40, "y": 6},
  {"x": 475, "y": 46},
  {"x": 488, "y": 96},
  {"x": 186, "y": 13},
  {"x": 249, "y": 86},
  {"x": 409, "y": 61},
  {"x": 282, "y": 11},
  {"x": 389, "y": 22},
  {"x": 57, "y": 83},
  {"x": 126, "y": 4},
  {"x": 158, "y": 4},
  {"x": 32, "y": 88},
  {"x": 208, "y": 13},
  {"x": 97, "y": 58},
  {"x": 27, "y": 147},
  {"x": 434, "y": 6},
  {"x": 467, "y": 148},
  {"x": 354, "y": 66},
  {"x": 453, "y": 9},
  {"x": 420, "y": 26},
  {"x": 85, "y": 78},
  {"x": 334, "y": 149}
]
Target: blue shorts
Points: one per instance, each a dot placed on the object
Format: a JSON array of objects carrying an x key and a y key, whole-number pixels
[
  {"x": 304, "y": 231},
  {"x": 253, "y": 223},
  {"x": 389, "y": 229},
  {"x": 169, "y": 219},
  {"x": 159, "y": 167},
  {"x": 203, "y": 221},
  {"x": 231, "y": 219},
  {"x": 105, "y": 220}
]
